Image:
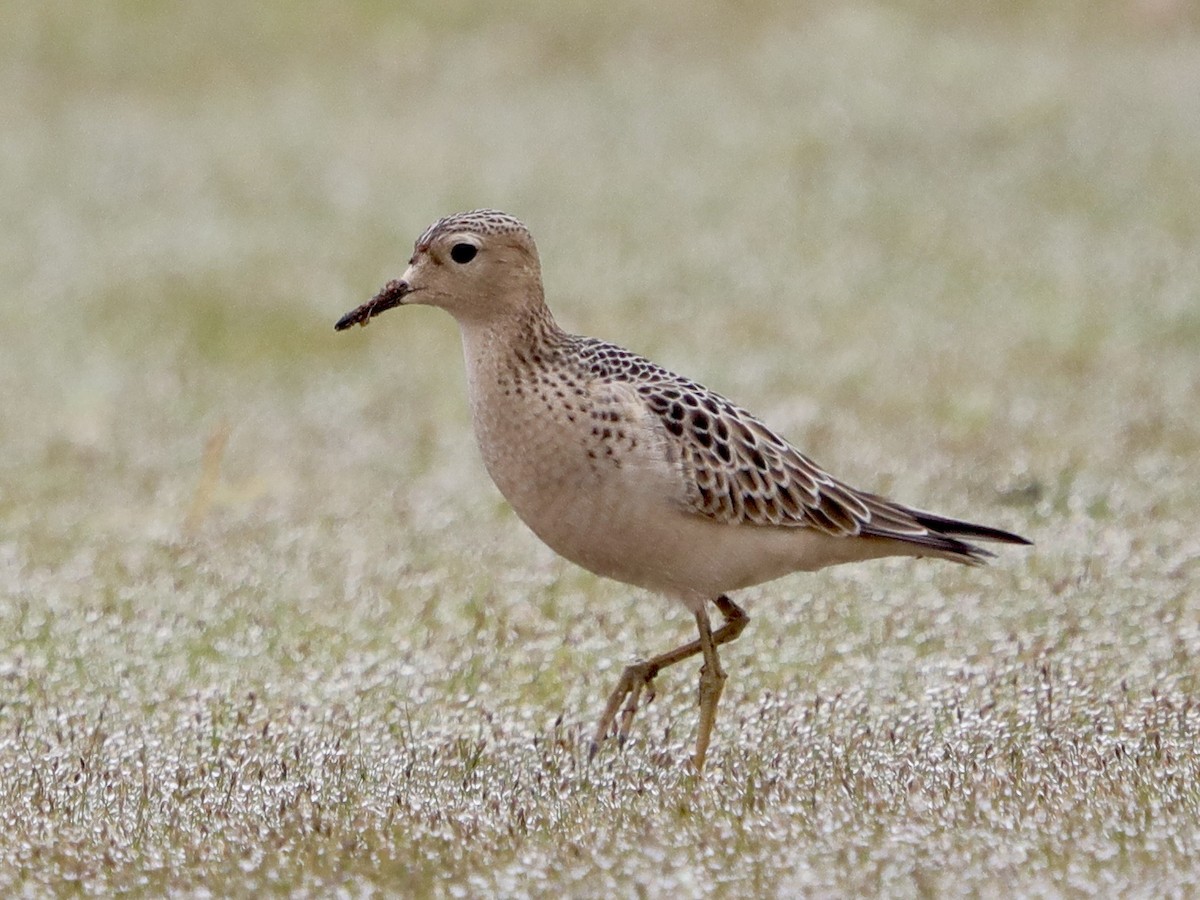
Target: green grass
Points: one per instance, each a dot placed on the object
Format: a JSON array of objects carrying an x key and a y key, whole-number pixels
[{"x": 953, "y": 254}]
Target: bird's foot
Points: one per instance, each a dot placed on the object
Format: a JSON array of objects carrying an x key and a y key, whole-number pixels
[
  {"x": 635, "y": 686},
  {"x": 641, "y": 687}
]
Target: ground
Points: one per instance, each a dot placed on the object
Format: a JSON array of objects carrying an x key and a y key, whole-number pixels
[{"x": 265, "y": 626}]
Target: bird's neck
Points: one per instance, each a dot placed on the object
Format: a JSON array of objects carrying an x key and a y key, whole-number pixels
[
  {"x": 506, "y": 349},
  {"x": 517, "y": 338},
  {"x": 505, "y": 360}
]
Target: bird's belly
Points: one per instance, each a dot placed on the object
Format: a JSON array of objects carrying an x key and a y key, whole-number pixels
[
  {"x": 624, "y": 518},
  {"x": 600, "y": 489},
  {"x": 602, "y": 496},
  {"x": 626, "y": 537},
  {"x": 675, "y": 552},
  {"x": 600, "y": 514}
]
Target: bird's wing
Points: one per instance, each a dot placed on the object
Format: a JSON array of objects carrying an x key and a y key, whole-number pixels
[{"x": 737, "y": 470}]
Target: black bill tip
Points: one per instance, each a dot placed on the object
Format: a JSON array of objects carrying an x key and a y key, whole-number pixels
[{"x": 392, "y": 294}]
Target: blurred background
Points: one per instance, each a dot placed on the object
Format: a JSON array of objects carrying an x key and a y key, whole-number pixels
[
  {"x": 950, "y": 250},
  {"x": 888, "y": 210}
]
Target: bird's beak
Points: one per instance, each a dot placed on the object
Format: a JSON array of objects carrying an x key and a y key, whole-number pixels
[{"x": 392, "y": 294}]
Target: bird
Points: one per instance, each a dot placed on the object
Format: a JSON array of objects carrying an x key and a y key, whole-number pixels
[{"x": 636, "y": 473}]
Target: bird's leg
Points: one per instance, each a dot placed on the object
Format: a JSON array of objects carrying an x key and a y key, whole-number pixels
[
  {"x": 639, "y": 676},
  {"x": 712, "y": 683}
]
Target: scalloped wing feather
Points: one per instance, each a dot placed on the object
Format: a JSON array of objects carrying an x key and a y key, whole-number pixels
[{"x": 738, "y": 471}]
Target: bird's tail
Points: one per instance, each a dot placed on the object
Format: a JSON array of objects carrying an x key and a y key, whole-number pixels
[
  {"x": 944, "y": 537},
  {"x": 958, "y": 528}
]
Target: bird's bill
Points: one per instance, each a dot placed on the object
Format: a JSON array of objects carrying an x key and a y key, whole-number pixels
[{"x": 392, "y": 294}]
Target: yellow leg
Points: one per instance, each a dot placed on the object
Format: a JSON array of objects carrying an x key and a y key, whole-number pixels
[
  {"x": 712, "y": 683},
  {"x": 638, "y": 679}
]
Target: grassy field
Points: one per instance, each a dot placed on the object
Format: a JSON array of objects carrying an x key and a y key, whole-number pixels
[{"x": 266, "y": 627}]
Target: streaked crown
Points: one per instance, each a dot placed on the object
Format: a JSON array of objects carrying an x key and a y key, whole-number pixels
[{"x": 480, "y": 221}]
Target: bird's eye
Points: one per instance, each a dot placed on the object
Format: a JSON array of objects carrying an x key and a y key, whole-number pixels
[{"x": 463, "y": 253}]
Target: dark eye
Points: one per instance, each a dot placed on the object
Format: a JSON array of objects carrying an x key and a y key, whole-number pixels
[{"x": 463, "y": 253}]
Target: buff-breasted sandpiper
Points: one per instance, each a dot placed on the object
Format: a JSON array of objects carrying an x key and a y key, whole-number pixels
[{"x": 634, "y": 472}]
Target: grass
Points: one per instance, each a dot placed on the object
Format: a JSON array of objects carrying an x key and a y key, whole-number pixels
[{"x": 954, "y": 250}]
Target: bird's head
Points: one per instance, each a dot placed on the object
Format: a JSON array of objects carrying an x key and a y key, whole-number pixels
[{"x": 478, "y": 266}]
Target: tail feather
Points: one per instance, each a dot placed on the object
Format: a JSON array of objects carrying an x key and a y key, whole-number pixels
[
  {"x": 943, "y": 536},
  {"x": 957, "y": 527}
]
